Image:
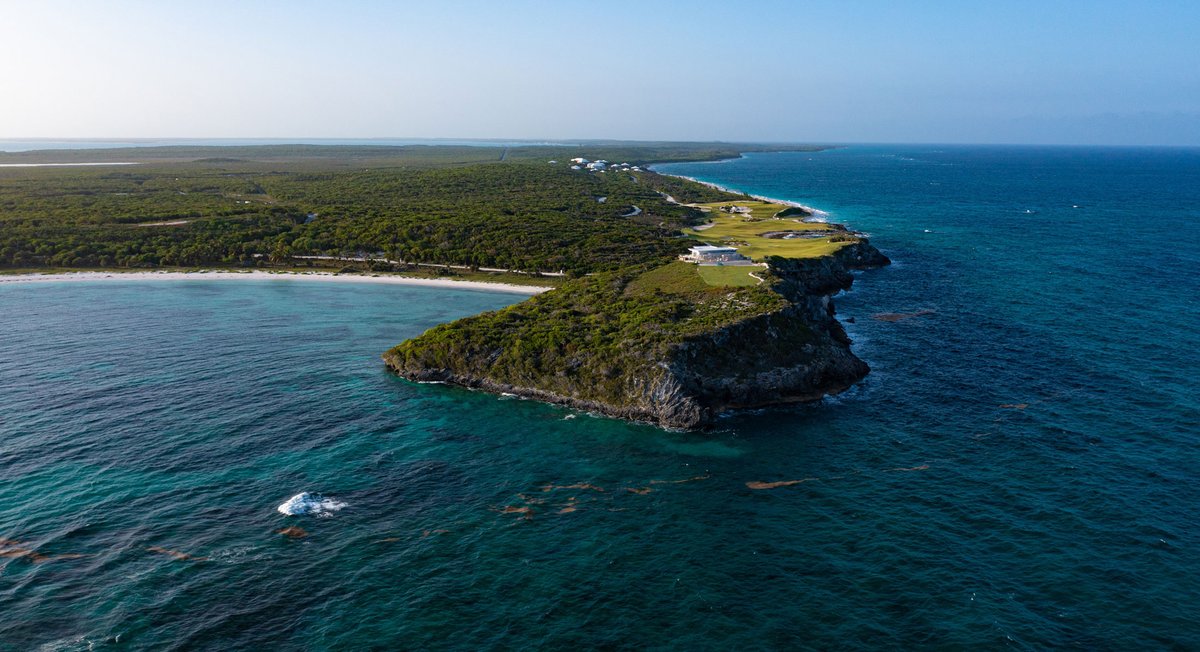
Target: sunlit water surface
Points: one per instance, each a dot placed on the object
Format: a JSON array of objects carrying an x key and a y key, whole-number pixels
[{"x": 1019, "y": 470}]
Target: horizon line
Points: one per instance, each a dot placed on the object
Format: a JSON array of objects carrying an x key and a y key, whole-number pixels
[{"x": 296, "y": 140}]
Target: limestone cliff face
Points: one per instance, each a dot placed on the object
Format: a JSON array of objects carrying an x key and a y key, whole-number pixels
[{"x": 798, "y": 352}]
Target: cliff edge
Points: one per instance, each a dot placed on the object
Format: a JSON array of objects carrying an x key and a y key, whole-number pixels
[{"x": 658, "y": 345}]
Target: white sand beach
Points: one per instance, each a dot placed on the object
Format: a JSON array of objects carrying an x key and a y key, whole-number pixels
[
  {"x": 66, "y": 165},
  {"x": 255, "y": 275},
  {"x": 818, "y": 215}
]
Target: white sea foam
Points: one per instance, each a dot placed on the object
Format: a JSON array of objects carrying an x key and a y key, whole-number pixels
[
  {"x": 306, "y": 503},
  {"x": 818, "y": 215}
]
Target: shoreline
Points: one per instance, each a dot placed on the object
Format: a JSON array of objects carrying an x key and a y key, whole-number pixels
[
  {"x": 66, "y": 165},
  {"x": 818, "y": 215},
  {"x": 215, "y": 275}
]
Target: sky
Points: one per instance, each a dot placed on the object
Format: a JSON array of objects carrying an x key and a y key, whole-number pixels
[{"x": 1045, "y": 72}]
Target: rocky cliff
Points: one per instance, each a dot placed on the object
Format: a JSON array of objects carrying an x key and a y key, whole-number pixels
[{"x": 674, "y": 357}]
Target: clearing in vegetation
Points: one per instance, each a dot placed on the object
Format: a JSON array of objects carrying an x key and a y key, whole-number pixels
[
  {"x": 759, "y": 234},
  {"x": 729, "y": 275}
]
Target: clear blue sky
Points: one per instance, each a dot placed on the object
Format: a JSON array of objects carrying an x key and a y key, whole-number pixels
[{"x": 845, "y": 71}]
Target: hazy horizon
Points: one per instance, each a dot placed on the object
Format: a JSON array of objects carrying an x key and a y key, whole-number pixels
[
  {"x": 392, "y": 141},
  {"x": 1098, "y": 73}
]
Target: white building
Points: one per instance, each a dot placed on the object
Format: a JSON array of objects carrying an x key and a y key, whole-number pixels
[
  {"x": 711, "y": 254},
  {"x": 597, "y": 165},
  {"x": 580, "y": 161}
]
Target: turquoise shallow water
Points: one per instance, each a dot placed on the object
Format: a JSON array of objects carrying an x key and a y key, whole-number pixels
[{"x": 177, "y": 416}]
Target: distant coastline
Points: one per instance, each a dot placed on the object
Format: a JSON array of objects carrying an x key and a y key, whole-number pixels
[
  {"x": 818, "y": 215},
  {"x": 65, "y": 165},
  {"x": 255, "y": 275}
]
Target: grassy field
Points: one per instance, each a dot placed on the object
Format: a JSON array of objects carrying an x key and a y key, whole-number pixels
[
  {"x": 759, "y": 210},
  {"x": 745, "y": 232},
  {"x": 728, "y": 275},
  {"x": 693, "y": 281},
  {"x": 677, "y": 278}
]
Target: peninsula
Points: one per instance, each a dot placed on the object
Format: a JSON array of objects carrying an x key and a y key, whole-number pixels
[
  {"x": 672, "y": 301},
  {"x": 744, "y": 320}
]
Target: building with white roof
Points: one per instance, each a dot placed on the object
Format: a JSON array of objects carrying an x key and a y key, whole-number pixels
[{"x": 712, "y": 254}]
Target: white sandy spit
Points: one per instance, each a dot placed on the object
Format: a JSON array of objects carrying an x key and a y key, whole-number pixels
[
  {"x": 63, "y": 165},
  {"x": 818, "y": 215},
  {"x": 75, "y": 277}
]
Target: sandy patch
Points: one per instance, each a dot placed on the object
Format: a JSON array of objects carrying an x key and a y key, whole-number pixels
[{"x": 257, "y": 275}]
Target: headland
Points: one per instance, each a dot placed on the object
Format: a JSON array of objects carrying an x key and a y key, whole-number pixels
[
  {"x": 674, "y": 301},
  {"x": 744, "y": 320}
]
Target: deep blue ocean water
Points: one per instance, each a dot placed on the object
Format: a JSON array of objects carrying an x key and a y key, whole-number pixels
[{"x": 1062, "y": 283}]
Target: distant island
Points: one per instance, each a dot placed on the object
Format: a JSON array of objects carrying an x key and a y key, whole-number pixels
[{"x": 675, "y": 301}]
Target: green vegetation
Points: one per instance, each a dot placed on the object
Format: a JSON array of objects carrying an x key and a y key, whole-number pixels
[
  {"x": 473, "y": 207},
  {"x": 750, "y": 232},
  {"x": 622, "y": 333},
  {"x": 688, "y": 279},
  {"x": 425, "y": 207},
  {"x": 729, "y": 275},
  {"x": 595, "y": 338},
  {"x": 423, "y": 156},
  {"x": 677, "y": 278}
]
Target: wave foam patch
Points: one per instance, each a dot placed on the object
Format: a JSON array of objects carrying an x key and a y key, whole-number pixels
[{"x": 303, "y": 504}]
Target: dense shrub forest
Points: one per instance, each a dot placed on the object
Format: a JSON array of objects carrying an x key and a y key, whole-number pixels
[
  {"x": 605, "y": 332},
  {"x": 247, "y": 206}
]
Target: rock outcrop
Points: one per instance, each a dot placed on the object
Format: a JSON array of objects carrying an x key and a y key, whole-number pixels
[{"x": 787, "y": 349}]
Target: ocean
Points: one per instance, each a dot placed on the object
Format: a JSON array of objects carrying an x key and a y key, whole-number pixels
[{"x": 1020, "y": 470}]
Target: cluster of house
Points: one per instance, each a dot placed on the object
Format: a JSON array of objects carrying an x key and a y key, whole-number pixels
[
  {"x": 602, "y": 165},
  {"x": 709, "y": 254}
]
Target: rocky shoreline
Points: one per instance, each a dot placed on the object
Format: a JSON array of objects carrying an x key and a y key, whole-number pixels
[{"x": 794, "y": 354}]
